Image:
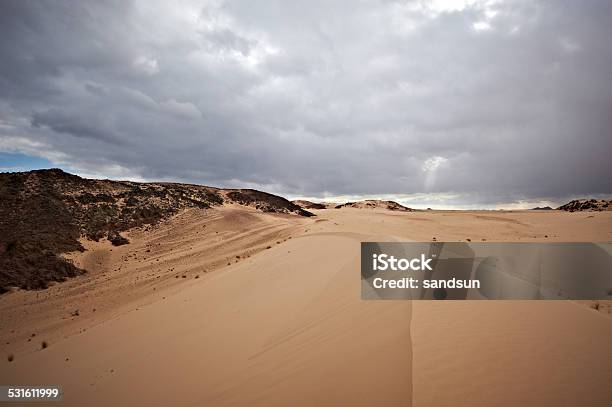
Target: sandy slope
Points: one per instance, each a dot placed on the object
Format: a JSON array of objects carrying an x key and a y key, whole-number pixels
[
  {"x": 150, "y": 267},
  {"x": 286, "y": 326}
]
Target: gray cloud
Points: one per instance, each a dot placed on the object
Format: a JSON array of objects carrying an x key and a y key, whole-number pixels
[{"x": 493, "y": 101}]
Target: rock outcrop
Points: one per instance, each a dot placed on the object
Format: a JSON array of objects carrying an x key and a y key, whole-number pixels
[{"x": 581, "y": 205}]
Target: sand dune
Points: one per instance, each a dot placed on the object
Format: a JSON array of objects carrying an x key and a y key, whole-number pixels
[
  {"x": 286, "y": 325},
  {"x": 374, "y": 204},
  {"x": 171, "y": 254}
]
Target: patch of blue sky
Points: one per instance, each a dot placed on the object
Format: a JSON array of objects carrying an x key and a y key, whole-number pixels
[{"x": 14, "y": 162}]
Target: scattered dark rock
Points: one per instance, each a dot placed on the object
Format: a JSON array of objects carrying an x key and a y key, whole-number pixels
[{"x": 116, "y": 239}]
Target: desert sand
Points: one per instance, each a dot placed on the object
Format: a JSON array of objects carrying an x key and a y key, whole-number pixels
[{"x": 233, "y": 307}]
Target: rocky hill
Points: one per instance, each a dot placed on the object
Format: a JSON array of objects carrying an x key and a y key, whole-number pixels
[
  {"x": 43, "y": 213},
  {"x": 581, "y": 205}
]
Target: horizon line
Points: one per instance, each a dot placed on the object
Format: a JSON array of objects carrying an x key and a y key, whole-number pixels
[{"x": 419, "y": 200}]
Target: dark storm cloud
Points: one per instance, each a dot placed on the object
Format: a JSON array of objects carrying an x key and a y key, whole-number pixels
[
  {"x": 487, "y": 100},
  {"x": 77, "y": 126}
]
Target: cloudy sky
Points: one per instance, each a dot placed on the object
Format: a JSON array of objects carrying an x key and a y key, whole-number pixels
[{"x": 439, "y": 103}]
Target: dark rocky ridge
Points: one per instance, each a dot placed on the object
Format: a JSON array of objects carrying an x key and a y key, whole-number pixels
[
  {"x": 265, "y": 202},
  {"x": 581, "y": 205},
  {"x": 310, "y": 205},
  {"x": 43, "y": 213}
]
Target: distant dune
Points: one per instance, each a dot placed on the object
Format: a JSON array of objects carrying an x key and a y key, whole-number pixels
[
  {"x": 375, "y": 204},
  {"x": 365, "y": 204}
]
